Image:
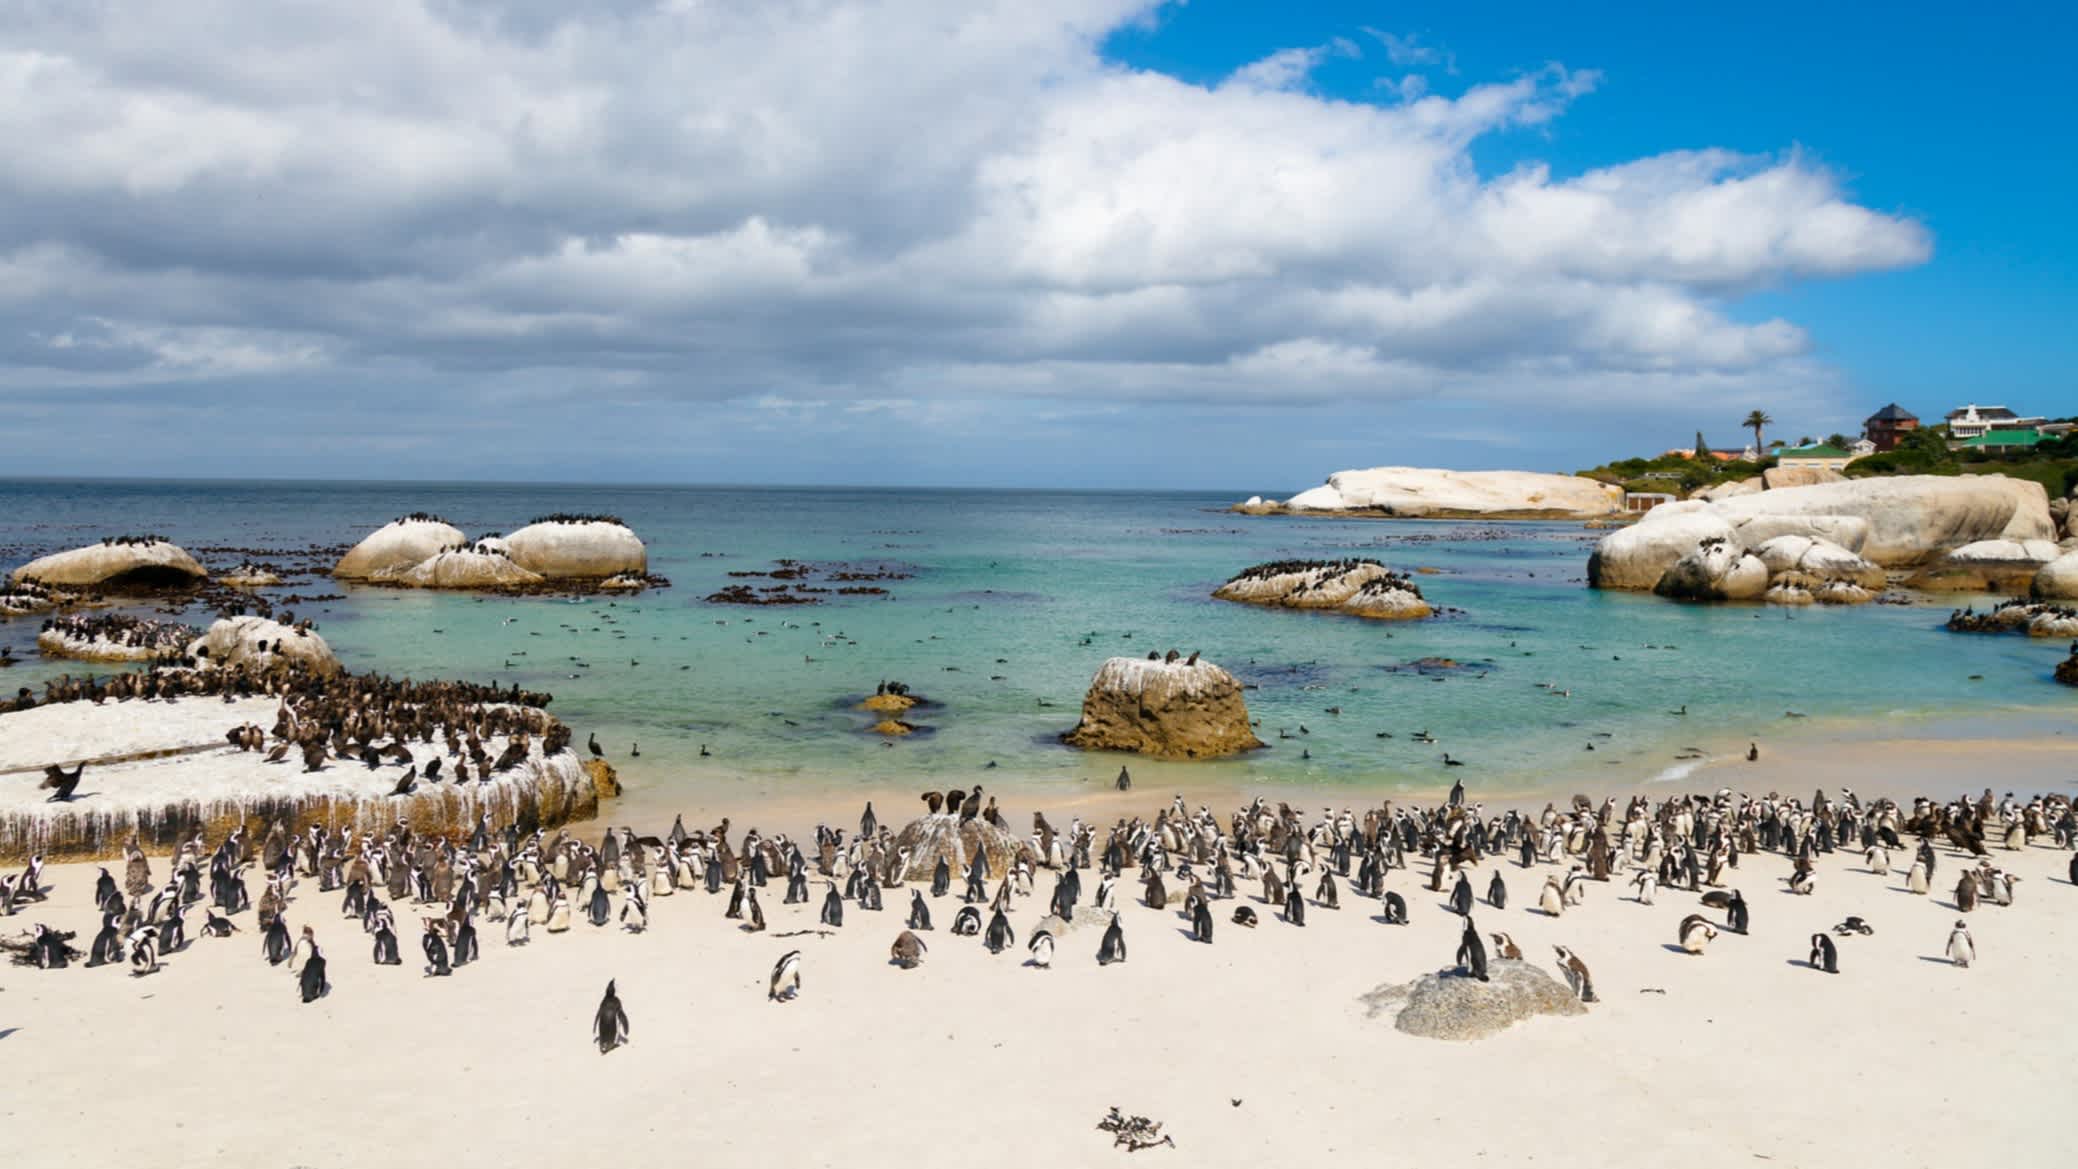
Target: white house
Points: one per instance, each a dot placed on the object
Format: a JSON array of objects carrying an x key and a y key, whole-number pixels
[{"x": 1973, "y": 421}]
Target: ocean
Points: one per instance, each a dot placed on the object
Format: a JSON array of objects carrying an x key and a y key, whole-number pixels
[{"x": 1000, "y": 605}]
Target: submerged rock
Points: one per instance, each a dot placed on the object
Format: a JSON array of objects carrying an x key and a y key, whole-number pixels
[
  {"x": 1449, "y": 1005},
  {"x": 1170, "y": 710},
  {"x": 1362, "y": 588},
  {"x": 117, "y": 565},
  {"x": 398, "y": 545}
]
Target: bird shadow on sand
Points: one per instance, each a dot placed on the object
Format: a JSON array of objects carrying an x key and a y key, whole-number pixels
[
  {"x": 1672, "y": 948},
  {"x": 5, "y": 1032},
  {"x": 1801, "y": 963},
  {"x": 1941, "y": 959}
]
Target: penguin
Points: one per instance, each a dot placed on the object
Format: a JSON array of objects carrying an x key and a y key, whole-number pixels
[
  {"x": 785, "y": 983},
  {"x": 1244, "y": 917},
  {"x": 756, "y": 924},
  {"x": 1553, "y": 899},
  {"x": 435, "y": 947},
  {"x": 1125, "y": 780},
  {"x": 558, "y": 916},
  {"x": 967, "y": 922},
  {"x": 312, "y": 983},
  {"x": 610, "y": 1021},
  {"x": 634, "y": 915},
  {"x": 217, "y": 927},
  {"x": 1696, "y": 933},
  {"x": 1961, "y": 949},
  {"x": 1647, "y": 882},
  {"x": 1577, "y": 977},
  {"x": 1966, "y": 892},
  {"x": 908, "y": 950},
  {"x": 466, "y": 949},
  {"x": 1201, "y": 920},
  {"x": 144, "y": 952},
  {"x": 1823, "y": 955},
  {"x": 919, "y": 911},
  {"x": 1505, "y": 947},
  {"x": 1395, "y": 909},
  {"x": 1497, "y": 891},
  {"x": 1916, "y": 878},
  {"x": 833, "y": 907},
  {"x": 977, "y": 879},
  {"x": 1461, "y": 895},
  {"x": 1113, "y": 947},
  {"x": 1041, "y": 949},
  {"x": 275, "y": 945},
  {"x": 1294, "y": 906},
  {"x": 598, "y": 907},
  {"x": 385, "y": 949},
  {"x": 1471, "y": 951},
  {"x": 1736, "y": 916},
  {"x": 108, "y": 944},
  {"x": 999, "y": 937},
  {"x": 941, "y": 878}
]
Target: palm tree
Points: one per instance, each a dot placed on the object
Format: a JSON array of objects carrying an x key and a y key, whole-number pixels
[{"x": 1757, "y": 422}]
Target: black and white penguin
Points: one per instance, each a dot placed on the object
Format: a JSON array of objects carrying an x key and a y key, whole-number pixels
[
  {"x": 1962, "y": 949},
  {"x": 217, "y": 927},
  {"x": 1201, "y": 921},
  {"x": 1244, "y": 917},
  {"x": 999, "y": 936},
  {"x": 610, "y": 1021},
  {"x": 786, "y": 978},
  {"x": 1113, "y": 947},
  {"x": 1823, "y": 955},
  {"x": 977, "y": 879},
  {"x": 466, "y": 948},
  {"x": 1041, "y": 949},
  {"x": 1395, "y": 909},
  {"x": 1497, "y": 891},
  {"x": 598, "y": 907},
  {"x": 435, "y": 947},
  {"x": 1125, "y": 780},
  {"x": 311, "y": 983},
  {"x": 1461, "y": 895},
  {"x": 108, "y": 944},
  {"x": 967, "y": 922},
  {"x": 1294, "y": 906},
  {"x": 385, "y": 953},
  {"x": 1695, "y": 933},
  {"x": 755, "y": 912},
  {"x": 1577, "y": 977},
  {"x": 1736, "y": 915},
  {"x": 941, "y": 878},
  {"x": 908, "y": 950},
  {"x": 1471, "y": 950},
  {"x": 833, "y": 907},
  {"x": 1063, "y": 901},
  {"x": 1505, "y": 947},
  {"x": 275, "y": 944},
  {"x": 919, "y": 911}
]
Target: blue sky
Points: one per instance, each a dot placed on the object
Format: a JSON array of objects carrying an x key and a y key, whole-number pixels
[{"x": 1093, "y": 243}]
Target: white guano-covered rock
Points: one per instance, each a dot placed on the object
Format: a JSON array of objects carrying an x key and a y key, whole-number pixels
[
  {"x": 2058, "y": 579},
  {"x": 1638, "y": 556},
  {"x": 1819, "y": 559},
  {"x": 1362, "y": 588},
  {"x": 1716, "y": 570},
  {"x": 258, "y": 643},
  {"x": 1416, "y": 492},
  {"x": 396, "y": 546},
  {"x": 1996, "y": 566},
  {"x": 559, "y": 549},
  {"x": 115, "y": 566},
  {"x": 464, "y": 568}
]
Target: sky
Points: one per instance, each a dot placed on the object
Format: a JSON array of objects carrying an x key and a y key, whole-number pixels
[{"x": 1087, "y": 243}]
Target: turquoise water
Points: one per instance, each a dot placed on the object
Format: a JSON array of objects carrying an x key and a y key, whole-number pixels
[{"x": 1014, "y": 600}]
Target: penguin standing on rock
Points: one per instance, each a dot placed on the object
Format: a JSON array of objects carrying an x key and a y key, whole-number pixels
[
  {"x": 1113, "y": 947},
  {"x": 1471, "y": 951},
  {"x": 610, "y": 1021},
  {"x": 1823, "y": 955}
]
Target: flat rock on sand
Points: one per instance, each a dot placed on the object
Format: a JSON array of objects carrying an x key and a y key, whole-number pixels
[{"x": 1449, "y": 1005}]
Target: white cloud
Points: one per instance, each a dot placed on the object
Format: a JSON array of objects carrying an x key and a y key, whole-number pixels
[{"x": 852, "y": 208}]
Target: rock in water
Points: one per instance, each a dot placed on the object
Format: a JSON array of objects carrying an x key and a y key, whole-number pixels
[
  {"x": 2058, "y": 580},
  {"x": 397, "y": 545},
  {"x": 1715, "y": 570},
  {"x": 1418, "y": 492},
  {"x": 117, "y": 565},
  {"x": 560, "y": 547},
  {"x": 1170, "y": 710},
  {"x": 1448, "y": 1005},
  {"x": 480, "y": 567},
  {"x": 1364, "y": 588}
]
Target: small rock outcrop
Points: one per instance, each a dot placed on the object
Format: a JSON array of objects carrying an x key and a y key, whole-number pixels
[
  {"x": 398, "y": 545},
  {"x": 1434, "y": 493},
  {"x": 1451, "y": 1005},
  {"x": 259, "y": 643},
  {"x": 1717, "y": 569},
  {"x": 114, "y": 638},
  {"x": 1170, "y": 710},
  {"x": 122, "y": 564},
  {"x": 2034, "y": 618},
  {"x": 478, "y": 567},
  {"x": 1363, "y": 588},
  {"x": 250, "y": 576},
  {"x": 2057, "y": 580},
  {"x": 1989, "y": 566},
  {"x": 567, "y": 547},
  {"x": 957, "y": 840}
]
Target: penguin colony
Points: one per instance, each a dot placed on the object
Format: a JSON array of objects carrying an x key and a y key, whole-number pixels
[{"x": 280, "y": 889}]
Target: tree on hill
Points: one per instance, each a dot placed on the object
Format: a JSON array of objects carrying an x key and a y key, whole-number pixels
[
  {"x": 1758, "y": 422},
  {"x": 1702, "y": 448},
  {"x": 1838, "y": 440}
]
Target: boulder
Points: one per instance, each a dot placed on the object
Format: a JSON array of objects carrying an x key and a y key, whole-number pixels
[
  {"x": 250, "y": 576},
  {"x": 1450, "y": 1005},
  {"x": 261, "y": 644},
  {"x": 463, "y": 568},
  {"x": 397, "y": 545},
  {"x": 1419, "y": 492},
  {"x": 1170, "y": 710},
  {"x": 1821, "y": 560},
  {"x": 113, "y": 639},
  {"x": 957, "y": 840},
  {"x": 1729, "y": 489},
  {"x": 116, "y": 566},
  {"x": 1777, "y": 478},
  {"x": 1715, "y": 570},
  {"x": 1364, "y": 588},
  {"x": 1905, "y": 521},
  {"x": 2058, "y": 579},
  {"x": 578, "y": 547},
  {"x": 1989, "y": 566}
]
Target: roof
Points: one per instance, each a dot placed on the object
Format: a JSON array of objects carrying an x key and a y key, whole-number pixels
[
  {"x": 1998, "y": 438},
  {"x": 1893, "y": 413},
  {"x": 1983, "y": 412},
  {"x": 1816, "y": 451}
]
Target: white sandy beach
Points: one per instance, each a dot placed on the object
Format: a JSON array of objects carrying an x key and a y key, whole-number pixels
[{"x": 1748, "y": 1055}]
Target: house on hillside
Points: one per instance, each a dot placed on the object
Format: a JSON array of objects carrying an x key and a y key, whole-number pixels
[
  {"x": 1885, "y": 427},
  {"x": 2005, "y": 441},
  {"x": 1830, "y": 458},
  {"x": 1974, "y": 421}
]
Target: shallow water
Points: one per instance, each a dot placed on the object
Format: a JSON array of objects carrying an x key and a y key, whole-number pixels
[{"x": 1016, "y": 597}]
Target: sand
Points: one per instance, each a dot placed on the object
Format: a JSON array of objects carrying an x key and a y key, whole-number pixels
[{"x": 1254, "y": 1050}]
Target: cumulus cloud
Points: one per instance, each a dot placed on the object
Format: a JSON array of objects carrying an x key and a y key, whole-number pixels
[{"x": 865, "y": 205}]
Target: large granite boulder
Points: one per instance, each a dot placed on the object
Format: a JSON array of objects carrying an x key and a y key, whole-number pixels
[
  {"x": 2058, "y": 579},
  {"x": 1364, "y": 588},
  {"x": 117, "y": 565},
  {"x": 1777, "y": 478},
  {"x": 260, "y": 644},
  {"x": 1989, "y": 566},
  {"x": 957, "y": 840},
  {"x": 398, "y": 545},
  {"x": 1820, "y": 559},
  {"x": 1900, "y": 522},
  {"x": 113, "y": 638},
  {"x": 1428, "y": 492},
  {"x": 563, "y": 547},
  {"x": 1728, "y": 489},
  {"x": 1170, "y": 710},
  {"x": 1452, "y": 1005},
  {"x": 464, "y": 568},
  {"x": 1717, "y": 569}
]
